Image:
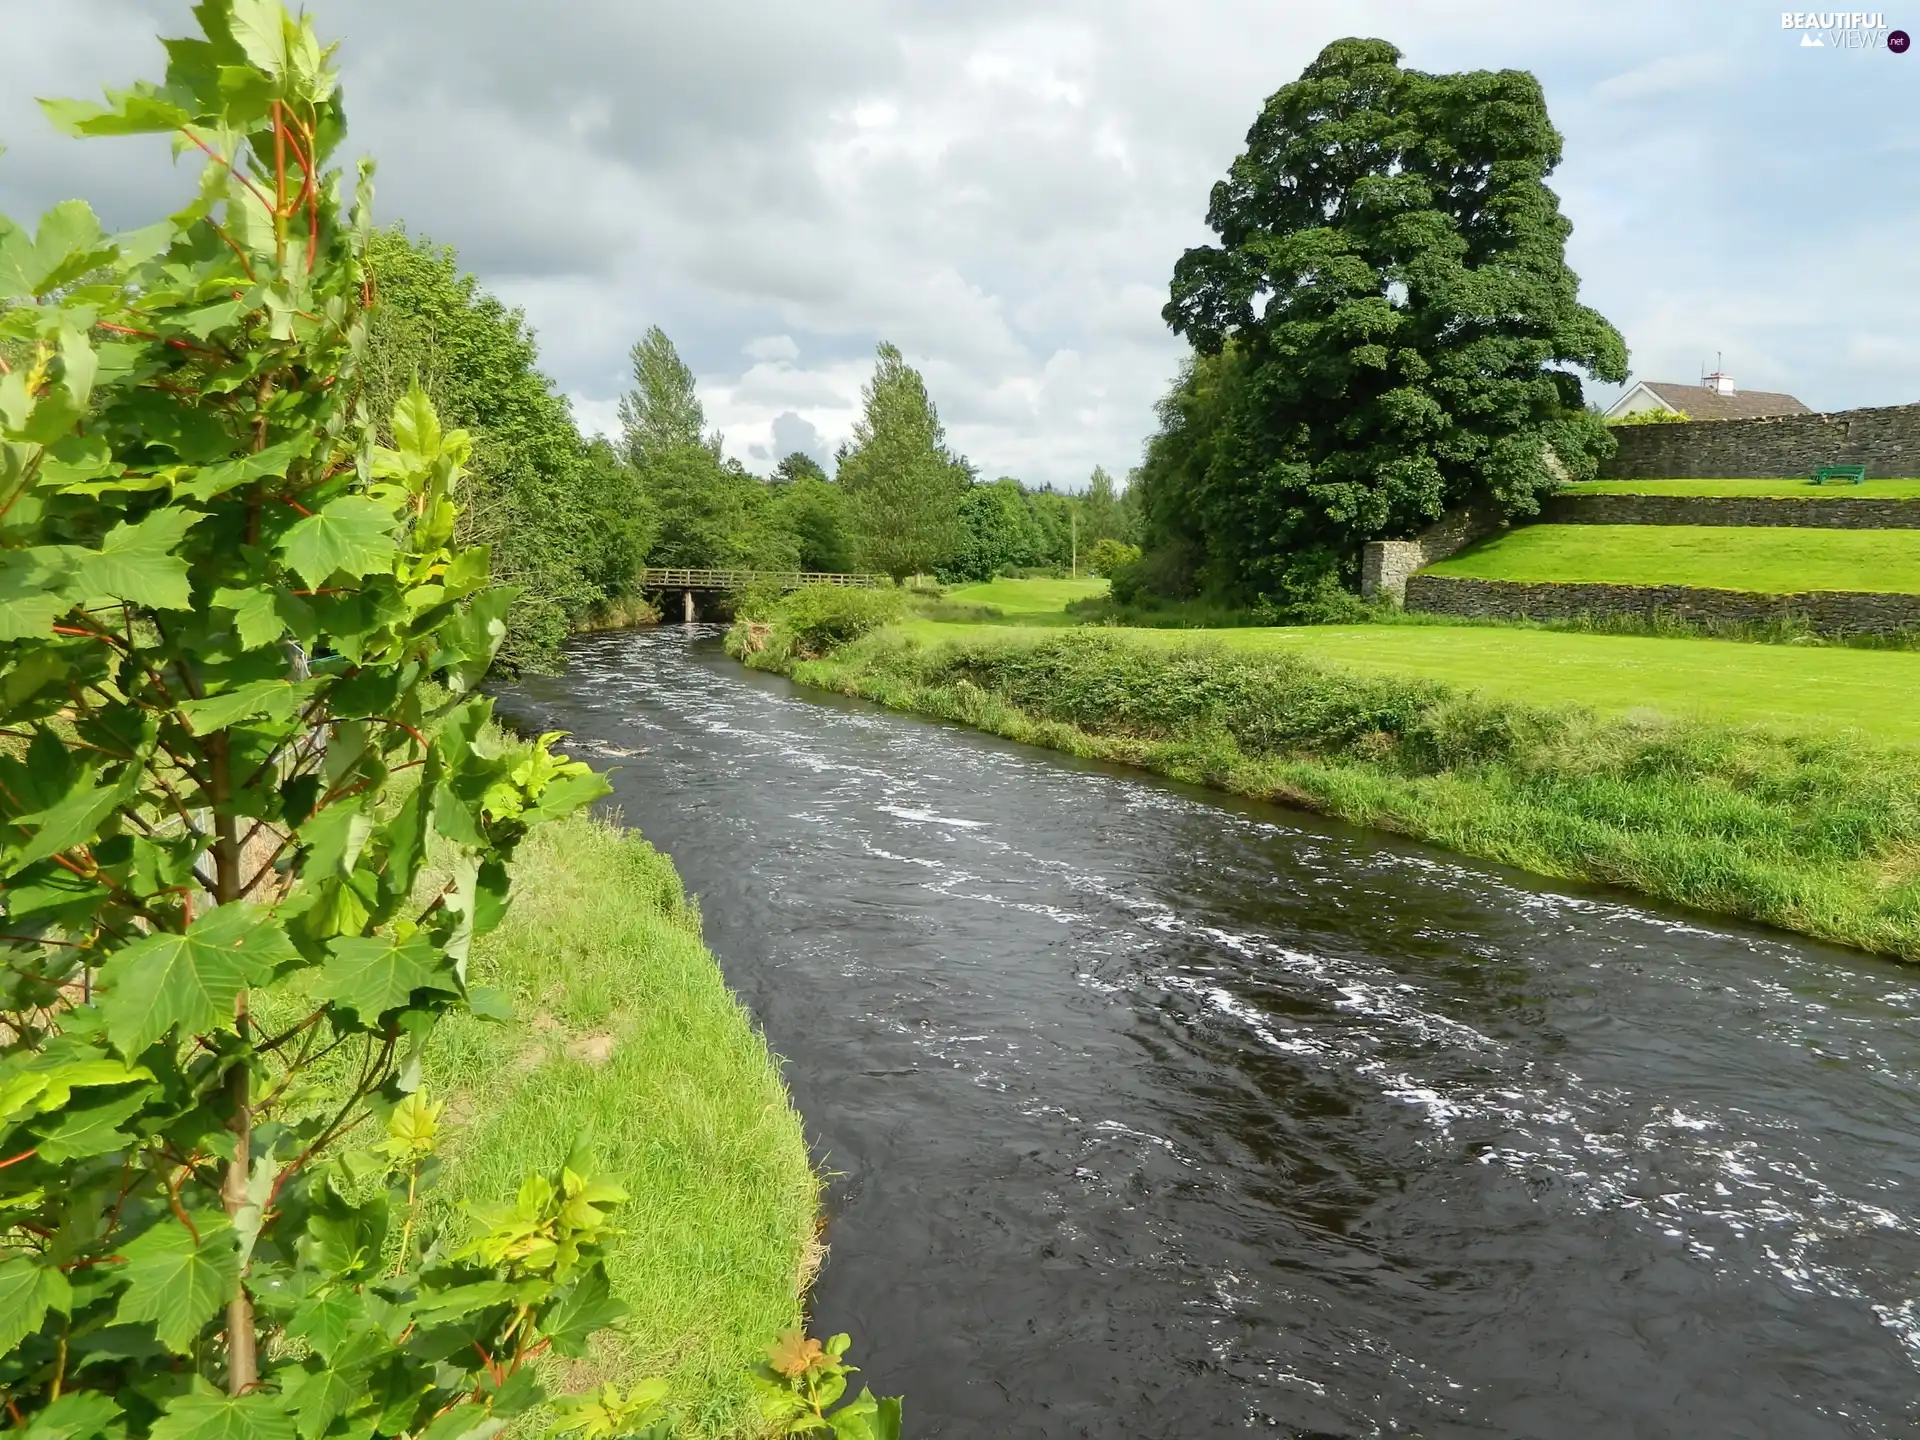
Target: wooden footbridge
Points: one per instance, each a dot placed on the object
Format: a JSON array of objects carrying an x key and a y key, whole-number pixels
[{"x": 711, "y": 582}]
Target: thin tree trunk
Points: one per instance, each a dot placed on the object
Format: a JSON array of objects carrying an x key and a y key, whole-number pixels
[{"x": 243, "y": 1361}]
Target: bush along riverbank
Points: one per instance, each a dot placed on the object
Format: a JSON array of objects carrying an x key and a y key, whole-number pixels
[
  {"x": 1812, "y": 832},
  {"x": 626, "y": 1045}
]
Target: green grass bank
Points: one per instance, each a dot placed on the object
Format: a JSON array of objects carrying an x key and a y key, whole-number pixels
[
  {"x": 626, "y": 1038},
  {"x": 1771, "y": 560},
  {"x": 1810, "y": 829},
  {"x": 1813, "y": 687}
]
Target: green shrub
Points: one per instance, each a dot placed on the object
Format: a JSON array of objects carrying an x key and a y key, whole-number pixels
[
  {"x": 1110, "y": 555},
  {"x": 817, "y": 619},
  {"x": 758, "y": 601},
  {"x": 1652, "y": 417}
]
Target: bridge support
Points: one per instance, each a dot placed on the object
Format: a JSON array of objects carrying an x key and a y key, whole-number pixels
[{"x": 689, "y": 607}]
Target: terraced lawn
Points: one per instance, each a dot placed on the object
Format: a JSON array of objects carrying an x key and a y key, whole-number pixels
[
  {"x": 1775, "y": 560},
  {"x": 1787, "y": 489}
]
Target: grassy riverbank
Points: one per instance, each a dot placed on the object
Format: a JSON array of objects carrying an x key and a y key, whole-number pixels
[
  {"x": 626, "y": 1039},
  {"x": 1816, "y": 688},
  {"x": 1810, "y": 830}
]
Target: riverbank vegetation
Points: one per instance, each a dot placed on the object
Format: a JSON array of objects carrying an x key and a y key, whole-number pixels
[
  {"x": 1779, "y": 560},
  {"x": 565, "y": 522},
  {"x": 625, "y": 1042},
  {"x": 1787, "y": 680}
]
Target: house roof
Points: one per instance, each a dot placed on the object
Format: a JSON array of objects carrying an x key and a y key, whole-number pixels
[{"x": 1700, "y": 403}]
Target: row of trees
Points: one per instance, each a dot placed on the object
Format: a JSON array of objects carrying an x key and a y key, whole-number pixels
[
  {"x": 570, "y": 520},
  {"x": 1387, "y": 330},
  {"x": 901, "y": 500}
]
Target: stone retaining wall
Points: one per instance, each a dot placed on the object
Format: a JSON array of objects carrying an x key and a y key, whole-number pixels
[
  {"x": 1831, "y": 612},
  {"x": 1885, "y": 439},
  {"x": 1817, "y": 512},
  {"x": 1386, "y": 565}
]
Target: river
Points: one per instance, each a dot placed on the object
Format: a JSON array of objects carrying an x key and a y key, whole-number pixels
[{"x": 1150, "y": 1112}]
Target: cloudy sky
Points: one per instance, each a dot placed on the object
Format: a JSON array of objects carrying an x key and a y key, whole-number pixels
[{"x": 1001, "y": 187}]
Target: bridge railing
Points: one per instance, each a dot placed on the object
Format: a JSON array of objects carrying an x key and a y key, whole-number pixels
[{"x": 674, "y": 578}]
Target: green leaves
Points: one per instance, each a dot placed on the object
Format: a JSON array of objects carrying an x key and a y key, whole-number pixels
[
  {"x": 136, "y": 112},
  {"x": 372, "y": 976},
  {"x": 77, "y": 1415},
  {"x": 91, "y": 1129},
  {"x": 68, "y": 245},
  {"x": 260, "y": 28},
  {"x": 28, "y": 1289},
  {"x": 801, "y": 1383},
  {"x": 416, "y": 429},
  {"x": 190, "y": 980},
  {"x": 136, "y": 564},
  {"x": 178, "y": 1280},
  {"x": 353, "y": 535},
  {"x": 589, "y": 1306},
  {"x": 204, "y": 1415},
  {"x": 275, "y": 460}
]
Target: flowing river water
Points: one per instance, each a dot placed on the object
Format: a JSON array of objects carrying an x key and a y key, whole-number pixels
[{"x": 1154, "y": 1113}]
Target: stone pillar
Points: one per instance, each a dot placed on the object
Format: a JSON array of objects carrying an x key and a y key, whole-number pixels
[
  {"x": 689, "y": 606},
  {"x": 1385, "y": 566}
]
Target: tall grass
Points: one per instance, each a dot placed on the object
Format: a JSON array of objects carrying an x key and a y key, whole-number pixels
[
  {"x": 627, "y": 1042},
  {"x": 1816, "y": 833}
]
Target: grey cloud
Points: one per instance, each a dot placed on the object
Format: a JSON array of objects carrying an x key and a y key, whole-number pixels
[{"x": 791, "y": 433}]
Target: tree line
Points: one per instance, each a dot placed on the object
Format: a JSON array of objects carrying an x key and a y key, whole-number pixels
[{"x": 572, "y": 519}]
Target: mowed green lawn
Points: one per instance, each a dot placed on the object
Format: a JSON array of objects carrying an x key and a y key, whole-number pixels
[
  {"x": 1774, "y": 559},
  {"x": 1018, "y": 598},
  {"x": 1790, "y": 489},
  {"x": 1816, "y": 687}
]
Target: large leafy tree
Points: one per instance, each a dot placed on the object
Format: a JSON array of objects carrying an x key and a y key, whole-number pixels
[
  {"x": 1101, "y": 516},
  {"x": 700, "y": 508},
  {"x": 566, "y": 521},
  {"x": 998, "y": 532},
  {"x": 904, "y": 487},
  {"x": 813, "y": 511},
  {"x": 1391, "y": 271},
  {"x": 797, "y": 465}
]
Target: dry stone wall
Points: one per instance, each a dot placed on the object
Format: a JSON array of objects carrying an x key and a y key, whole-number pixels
[
  {"x": 1831, "y": 612},
  {"x": 1817, "y": 512},
  {"x": 1385, "y": 565},
  {"x": 1885, "y": 439}
]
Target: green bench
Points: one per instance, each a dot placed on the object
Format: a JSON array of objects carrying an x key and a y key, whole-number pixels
[{"x": 1841, "y": 474}]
